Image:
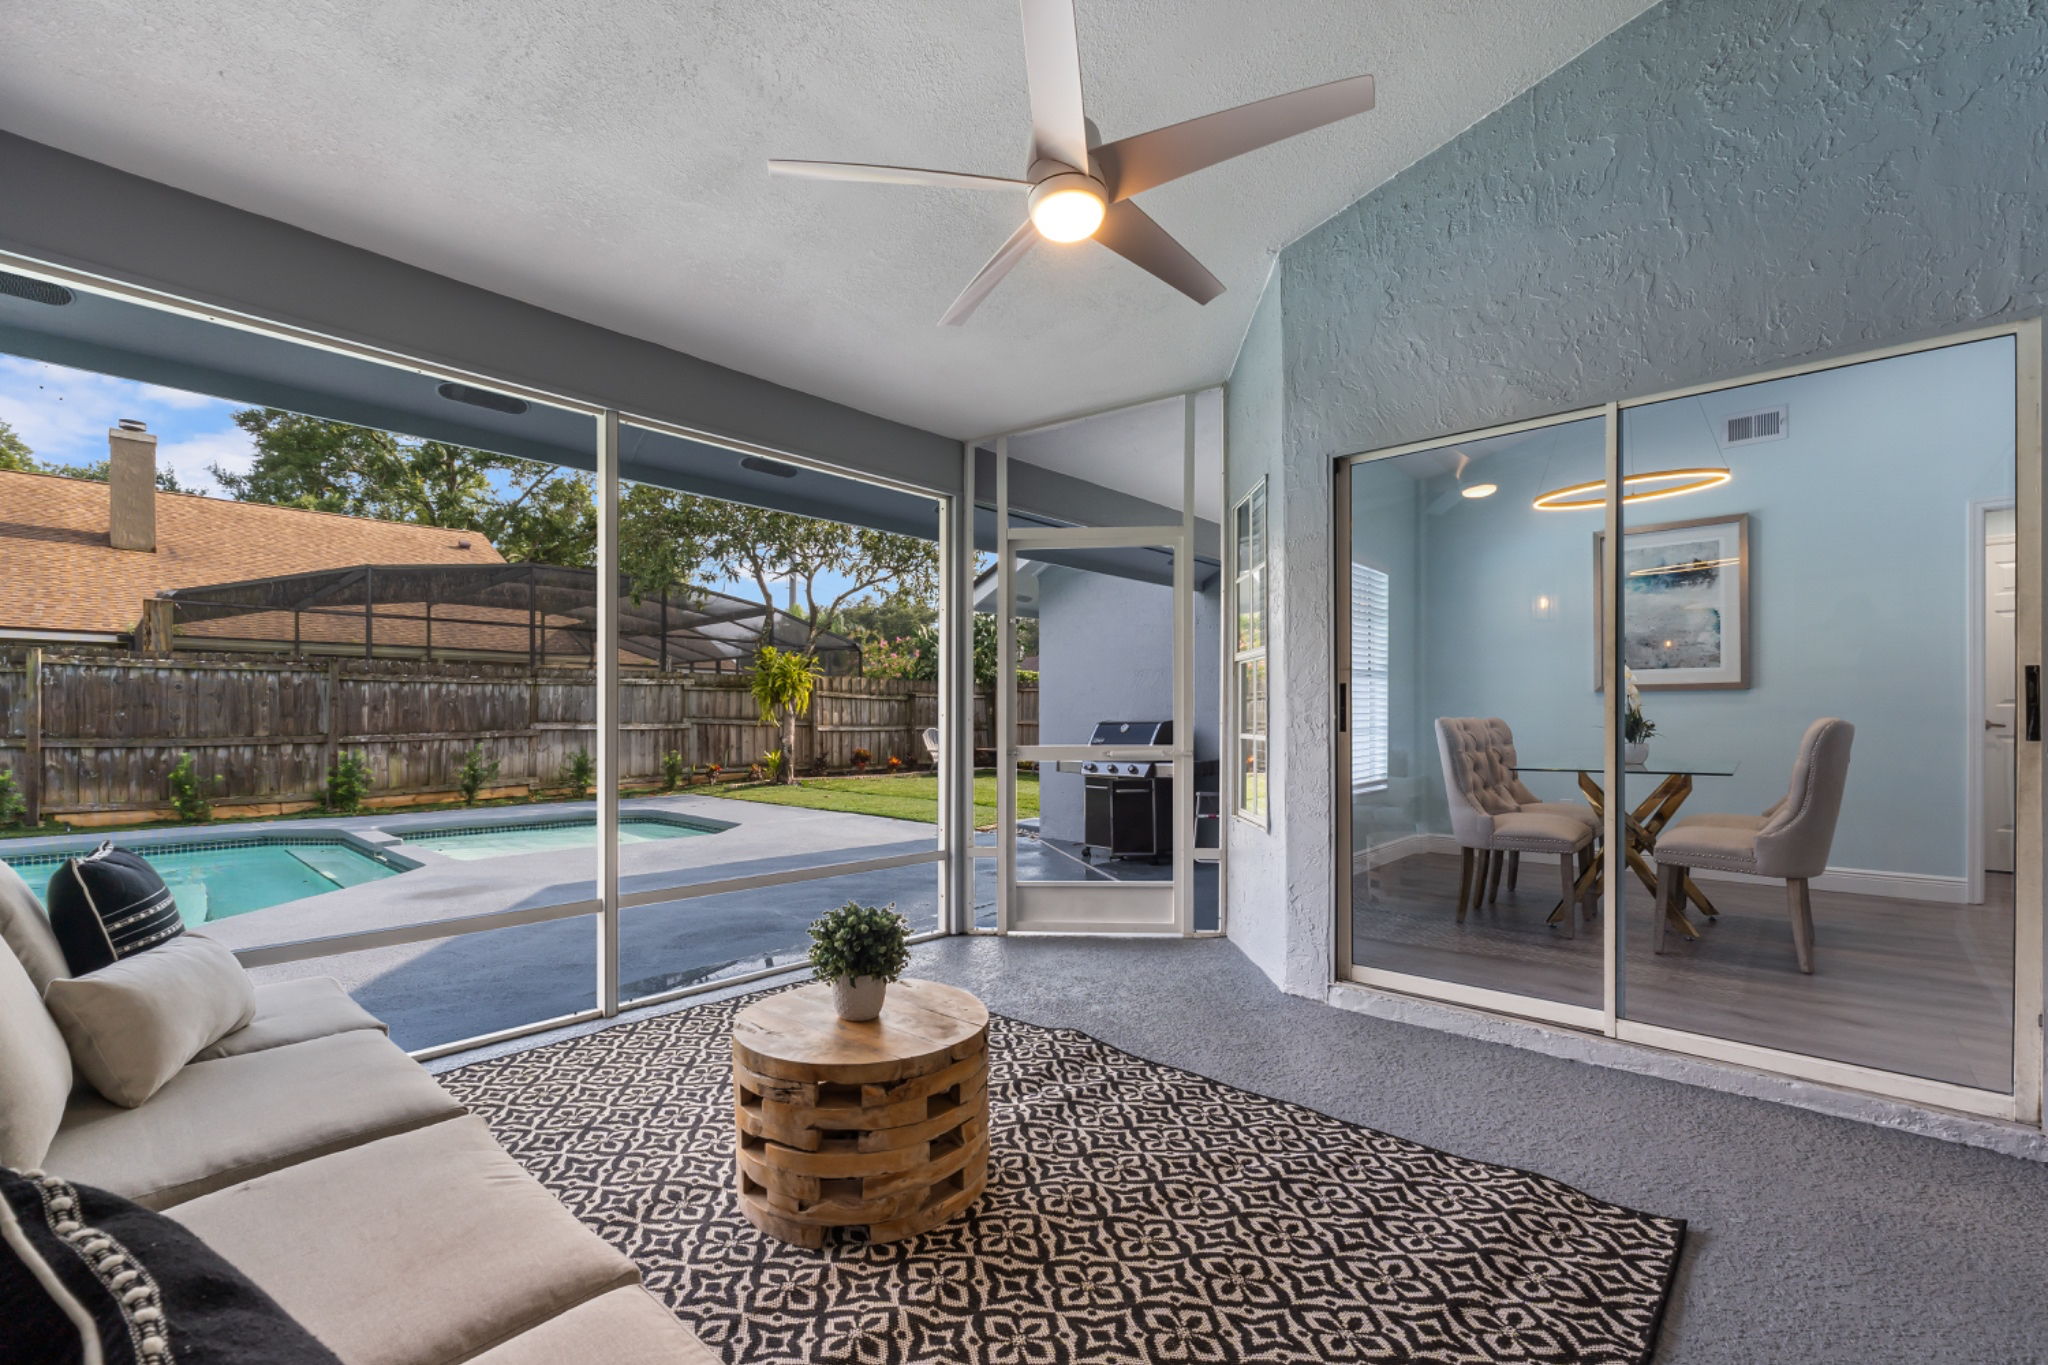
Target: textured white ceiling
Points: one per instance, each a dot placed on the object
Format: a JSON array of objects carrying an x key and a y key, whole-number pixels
[{"x": 605, "y": 160}]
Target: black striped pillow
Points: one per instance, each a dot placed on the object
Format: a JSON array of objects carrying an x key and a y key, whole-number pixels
[{"x": 109, "y": 905}]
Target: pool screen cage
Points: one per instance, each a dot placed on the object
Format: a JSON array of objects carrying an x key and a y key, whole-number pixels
[{"x": 499, "y": 613}]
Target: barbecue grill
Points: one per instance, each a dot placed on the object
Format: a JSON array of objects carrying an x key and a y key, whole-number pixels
[{"x": 1127, "y": 804}]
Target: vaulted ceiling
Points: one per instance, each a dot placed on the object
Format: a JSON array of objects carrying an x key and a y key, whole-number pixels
[{"x": 605, "y": 161}]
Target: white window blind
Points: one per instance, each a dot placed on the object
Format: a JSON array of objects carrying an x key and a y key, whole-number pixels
[{"x": 1368, "y": 678}]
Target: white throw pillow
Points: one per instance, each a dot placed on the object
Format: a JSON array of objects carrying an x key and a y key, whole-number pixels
[{"x": 133, "y": 1024}]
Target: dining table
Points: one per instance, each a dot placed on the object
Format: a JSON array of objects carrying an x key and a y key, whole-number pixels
[{"x": 1641, "y": 825}]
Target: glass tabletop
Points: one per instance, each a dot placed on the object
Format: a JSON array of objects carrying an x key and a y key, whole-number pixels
[{"x": 1656, "y": 765}]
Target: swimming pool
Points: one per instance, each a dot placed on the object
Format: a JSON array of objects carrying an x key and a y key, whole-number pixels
[
  {"x": 506, "y": 839},
  {"x": 214, "y": 879}
]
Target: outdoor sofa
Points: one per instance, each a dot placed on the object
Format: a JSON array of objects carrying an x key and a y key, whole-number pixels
[{"x": 313, "y": 1154}]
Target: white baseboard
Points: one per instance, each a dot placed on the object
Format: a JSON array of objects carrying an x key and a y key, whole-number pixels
[{"x": 1855, "y": 881}]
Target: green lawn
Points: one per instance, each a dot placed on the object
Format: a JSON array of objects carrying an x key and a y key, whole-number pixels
[{"x": 911, "y": 796}]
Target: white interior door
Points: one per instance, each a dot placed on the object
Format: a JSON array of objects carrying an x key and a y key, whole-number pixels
[{"x": 2001, "y": 700}]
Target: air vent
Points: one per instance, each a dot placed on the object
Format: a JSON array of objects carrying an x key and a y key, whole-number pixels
[
  {"x": 1748, "y": 428},
  {"x": 35, "y": 291},
  {"x": 772, "y": 467},
  {"x": 483, "y": 398}
]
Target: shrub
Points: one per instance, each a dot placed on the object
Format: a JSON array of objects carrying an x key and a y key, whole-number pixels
[
  {"x": 188, "y": 797},
  {"x": 348, "y": 782},
  {"x": 756, "y": 773},
  {"x": 861, "y": 758},
  {"x": 713, "y": 771},
  {"x": 771, "y": 763},
  {"x": 671, "y": 770},
  {"x": 860, "y": 940},
  {"x": 895, "y": 763},
  {"x": 578, "y": 772},
  {"x": 477, "y": 773},
  {"x": 13, "y": 805}
]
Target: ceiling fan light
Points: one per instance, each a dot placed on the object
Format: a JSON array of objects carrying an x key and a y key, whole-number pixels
[{"x": 1068, "y": 207}]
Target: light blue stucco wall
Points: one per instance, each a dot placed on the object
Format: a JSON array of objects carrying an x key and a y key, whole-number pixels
[
  {"x": 1105, "y": 649},
  {"x": 1719, "y": 187}
]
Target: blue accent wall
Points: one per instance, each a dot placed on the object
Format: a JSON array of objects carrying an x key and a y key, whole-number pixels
[{"x": 1718, "y": 187}]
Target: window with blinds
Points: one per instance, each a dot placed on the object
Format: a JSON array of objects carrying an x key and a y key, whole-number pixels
[{"x": 1368, "y": 678}]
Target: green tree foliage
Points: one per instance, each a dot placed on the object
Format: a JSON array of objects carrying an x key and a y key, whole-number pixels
[
  {"x": 14, "y": 452},
  {"x": 530, "y": 511},
  {"x": 348, "y": 782},
  {"x": 782, "y": 682},
  {"x": 188, "y": 793},
  {"x": 579, "y": 770}
]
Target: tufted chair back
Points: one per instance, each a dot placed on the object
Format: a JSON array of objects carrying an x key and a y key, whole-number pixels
[
  {"x": 1799, "y": 831},
  {"x": 1478, "y": 754}
]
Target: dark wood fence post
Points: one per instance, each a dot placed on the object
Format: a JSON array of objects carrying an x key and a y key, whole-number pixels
[
  {"x": 32, "y": 721},
  {"x": 330, "y": 724}
]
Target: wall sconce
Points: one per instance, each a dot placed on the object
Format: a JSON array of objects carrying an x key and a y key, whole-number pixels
[{"x": 1543, "y": 606}]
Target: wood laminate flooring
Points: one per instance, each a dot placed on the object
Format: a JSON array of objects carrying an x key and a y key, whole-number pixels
[{"x": 1917, "y": 987}]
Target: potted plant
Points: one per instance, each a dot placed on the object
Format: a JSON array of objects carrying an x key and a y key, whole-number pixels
[
  {"x": 1636, "y": 729},
  {"x": 895, "y": 764},
  {"x": 861, "y": 759},
  {"x": 860, "y": 949}
]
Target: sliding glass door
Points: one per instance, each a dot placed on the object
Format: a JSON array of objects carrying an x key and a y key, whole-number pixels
[{"x": 1792, "y": 625}]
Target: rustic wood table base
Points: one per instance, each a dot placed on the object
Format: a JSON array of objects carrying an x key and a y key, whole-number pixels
[{"x": 881, "y": 1125}]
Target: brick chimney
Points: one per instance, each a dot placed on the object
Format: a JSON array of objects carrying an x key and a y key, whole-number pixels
[{"x": 131, "y": 486}]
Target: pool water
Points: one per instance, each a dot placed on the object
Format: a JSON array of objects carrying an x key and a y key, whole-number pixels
[
  {"x": 216, "y": 881},
  {"x": 504, "y": 841}
]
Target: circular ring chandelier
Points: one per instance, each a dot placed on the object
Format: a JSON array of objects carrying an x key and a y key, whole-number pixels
[{"x": 1662, "y": 483}]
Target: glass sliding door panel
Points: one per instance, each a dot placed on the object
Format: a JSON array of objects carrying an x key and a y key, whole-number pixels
[
  {"x": 1843, "y": 590},
  {"x": 1470, "y": 611}
]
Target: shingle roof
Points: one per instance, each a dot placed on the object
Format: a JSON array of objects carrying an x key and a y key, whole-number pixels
[{"x": 58, "y": 571}]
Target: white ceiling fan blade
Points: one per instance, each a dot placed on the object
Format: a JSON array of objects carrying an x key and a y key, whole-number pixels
[
  {"x": 1007, "y": 255},
  {"x": 1052, "y": 74},
  {"x": 1130, "y": 232},
  {"x": 1133, "y": 165},
  {"x": 894, "y": 175}
]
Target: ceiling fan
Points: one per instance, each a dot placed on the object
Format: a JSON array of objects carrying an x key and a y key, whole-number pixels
[{"x": 1076, "y": 191}]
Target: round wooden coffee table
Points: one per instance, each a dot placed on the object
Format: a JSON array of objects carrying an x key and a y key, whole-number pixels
[{"x": 882, "y": 1125}]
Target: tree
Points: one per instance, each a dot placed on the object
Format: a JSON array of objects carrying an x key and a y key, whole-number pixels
[
  {"x": 529, "y": 510},
  {"x": 14, "y": 452},
  {"x": 99, "y": 471},
  {"x": 768, "y": 547},
  {"x": 782, "y": 684}
]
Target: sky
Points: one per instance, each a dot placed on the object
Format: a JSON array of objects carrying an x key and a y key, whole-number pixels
[{"x": 63, "y": 414}]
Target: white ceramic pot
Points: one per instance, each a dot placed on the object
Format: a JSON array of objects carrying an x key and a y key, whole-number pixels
[
  {"x": 1635, "y": 755},
  {"x": 858, "y": 998}
]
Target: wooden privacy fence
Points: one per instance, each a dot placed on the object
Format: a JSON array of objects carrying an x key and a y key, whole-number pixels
[{"x": 91, "y": 733}]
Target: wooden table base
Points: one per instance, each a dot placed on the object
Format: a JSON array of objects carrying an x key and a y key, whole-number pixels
[{"x": 882, "y": 1125}]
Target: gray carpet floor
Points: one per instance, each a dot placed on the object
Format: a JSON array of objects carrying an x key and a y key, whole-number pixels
[{"x": 1811, "y": 1239}]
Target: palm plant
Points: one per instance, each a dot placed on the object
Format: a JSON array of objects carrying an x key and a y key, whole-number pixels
[{"x": 783, "y": 682}]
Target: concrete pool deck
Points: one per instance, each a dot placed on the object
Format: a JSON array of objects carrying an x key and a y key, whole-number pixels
[{"x": 446, "y": 989}]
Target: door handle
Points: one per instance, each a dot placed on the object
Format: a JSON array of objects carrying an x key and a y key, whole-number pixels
[
  {"x": 1343, "y": 708},
  {"x": 1994, "y": 725},
  {"x": 2033, "y": 702}
]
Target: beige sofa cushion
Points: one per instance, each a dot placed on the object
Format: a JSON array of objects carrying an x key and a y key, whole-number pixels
[
  {"x": 294, "y": 1011},
  {"x": 35, "y": 1070},
  {"x": 222, "y": 1121},
  {"x": 26, "y": 928},
  {"x": 418, "y": 1249},
  {"x": 134, "y": 1023},
  {"x": 625, "y": 1327}
]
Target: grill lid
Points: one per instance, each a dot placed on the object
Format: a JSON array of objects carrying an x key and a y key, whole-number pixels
[{"x": 1133, "y": 732}]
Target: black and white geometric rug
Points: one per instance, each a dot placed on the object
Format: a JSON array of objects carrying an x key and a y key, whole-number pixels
[{"x": 1134, "y": 1212}]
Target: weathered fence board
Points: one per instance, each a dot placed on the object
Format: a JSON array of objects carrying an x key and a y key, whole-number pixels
[{"x": 265, "y": 730}]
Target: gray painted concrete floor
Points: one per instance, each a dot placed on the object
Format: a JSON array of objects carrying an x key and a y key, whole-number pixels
[{"x": 1812, "y": 1239}]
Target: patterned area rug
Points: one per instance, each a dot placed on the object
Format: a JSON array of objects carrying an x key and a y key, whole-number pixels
[{"x": 1134, "y": 1212}]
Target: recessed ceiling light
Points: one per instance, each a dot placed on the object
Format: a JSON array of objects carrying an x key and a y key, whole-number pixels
[{"x": 1480, "y": 490}]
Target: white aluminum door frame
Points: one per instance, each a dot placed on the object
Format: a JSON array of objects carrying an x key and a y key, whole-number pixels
[
  {"x": 1098, "y": 907},
  {"x": 2023, "y": 1104}
]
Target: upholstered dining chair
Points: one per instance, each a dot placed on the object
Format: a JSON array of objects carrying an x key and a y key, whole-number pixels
[
  {"x": 1791, "y": 840},
  {"x": 1495, "y": 818}
]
